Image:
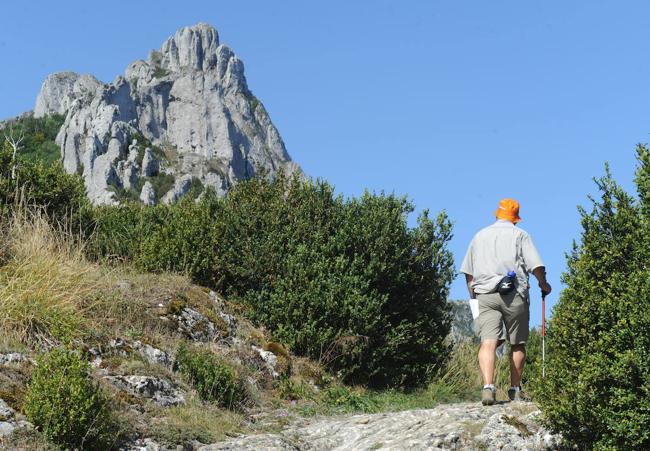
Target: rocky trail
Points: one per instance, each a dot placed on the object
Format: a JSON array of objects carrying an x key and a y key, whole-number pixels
[{"x": 505, "y": 426}]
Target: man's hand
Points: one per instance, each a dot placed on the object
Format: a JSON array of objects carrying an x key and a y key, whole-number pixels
[
  {"x": 546, "y": 288},
  {"x": 468, "y": 279},
  {"x": 540, "y": 274}
]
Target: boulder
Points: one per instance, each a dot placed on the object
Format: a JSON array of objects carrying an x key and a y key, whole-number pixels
[
  {"x": 15, "y": 357},
  {"x": 269, "y": 359},
  {"x": 8, "y": 421},
  {"x": 149, "y": 353},
  {"x": 159, "y": 390},
  {"x": 196, "y": 326}
]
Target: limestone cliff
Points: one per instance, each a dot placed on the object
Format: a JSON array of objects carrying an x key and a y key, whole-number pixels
[{"x": 183, "y": 117}]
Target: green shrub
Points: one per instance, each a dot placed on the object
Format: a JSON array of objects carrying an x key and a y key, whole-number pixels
[
  {"x": 39, "y": 176},
  {"x": 159, "y": 72},
  {"x": 343, "y": 281},
  {"x": 65, "y": 403},
  {"x": 291, "y": 389},
  {"x": 346, "y": 282},
  {"x": 39, "y": 134},
  {"x": 532, "y": 376},
  {"x": 597, "y": 385},
  {"x": 184, "y": 241},
  {"x": 47, "y": 185},
  {"x": 348, "y": 399},
  {"x": 117, "y": 231},
  {"x": 214, "y": 379}
]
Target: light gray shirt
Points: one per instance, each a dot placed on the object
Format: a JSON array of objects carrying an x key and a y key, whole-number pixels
[{"x": 497, "y": 249}]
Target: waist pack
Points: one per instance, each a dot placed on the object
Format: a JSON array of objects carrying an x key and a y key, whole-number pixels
[{"x": 507, "y": 284}]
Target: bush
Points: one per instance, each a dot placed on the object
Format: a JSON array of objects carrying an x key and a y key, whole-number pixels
[
  {"x": 184, "y": 241},
  {"x": 348, "y": 399},
  {"x": 39, "y": 137},
  {"x": 178, "y": 237},
  {"x": 291, "y": 389},
  {"x": 39, "y": 184},
  {"x": 597, "y": 386},
  {"x": 117, "y": 232},
  {"x": 532, "y": 376},
  {"x": 346, "y": 282},
  {"x": 214, "y": 379},
  {"x": 67, "y": 405}
]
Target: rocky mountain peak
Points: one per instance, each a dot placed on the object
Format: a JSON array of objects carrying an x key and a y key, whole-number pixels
[
  {"x": 186, "y": 111},
  {"x": 195, "y": 47}
]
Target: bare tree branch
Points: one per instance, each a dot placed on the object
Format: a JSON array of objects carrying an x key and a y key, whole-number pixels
[{"x": 14, "y": 142}]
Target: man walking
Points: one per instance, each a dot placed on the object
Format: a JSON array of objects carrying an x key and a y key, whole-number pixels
[{"x": 494, "y": 252}]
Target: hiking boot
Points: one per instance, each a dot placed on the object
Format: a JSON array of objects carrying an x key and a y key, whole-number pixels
[
  {"x": 488, "y": 396},
  {"x": 518, "y": 395}
]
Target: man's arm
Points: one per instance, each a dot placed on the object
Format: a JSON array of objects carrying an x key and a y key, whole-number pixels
[
  {"x": 540, "y": 275},
  {"x": 469, "y": 279}
]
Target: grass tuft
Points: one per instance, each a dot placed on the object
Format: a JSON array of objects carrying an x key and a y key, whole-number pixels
[
  {"x": 195, "y": 420},
  {"x": 45, "y": 282}
]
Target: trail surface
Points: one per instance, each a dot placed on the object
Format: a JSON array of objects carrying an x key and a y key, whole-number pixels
[{"x": 505, "y": 426}]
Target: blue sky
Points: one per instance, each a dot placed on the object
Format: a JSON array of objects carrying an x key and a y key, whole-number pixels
[{"x": 455, "y": 103}]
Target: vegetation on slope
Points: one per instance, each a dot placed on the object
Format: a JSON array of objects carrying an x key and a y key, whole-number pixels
[
  {"x": 80, "y": 305},
  {"x": 39, "y": 135},
  {"x": 343, "y": 281},
  {"x": 69, "y": 407}
]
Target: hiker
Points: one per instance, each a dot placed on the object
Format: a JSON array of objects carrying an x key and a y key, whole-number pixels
[{"x": 503, "y": 301}]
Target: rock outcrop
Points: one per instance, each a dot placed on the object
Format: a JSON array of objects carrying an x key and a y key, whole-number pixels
[
  {"x": 160, "y": 391},
  {"x": 8, "y": 421},
  {"x": 15, "y": 358},
  {"x": 466, "y": 426},
  {"x": 196, "y": 326},
  {"x": 60, "y": 90},
  {"x": 188, "y": 104}
]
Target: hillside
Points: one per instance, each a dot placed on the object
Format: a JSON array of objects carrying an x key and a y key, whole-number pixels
[{"x": 151, "y": 341}]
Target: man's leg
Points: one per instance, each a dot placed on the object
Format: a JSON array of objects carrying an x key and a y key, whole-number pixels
[
  {"x": 489, "y": 326},
  {"x": 486, "y": 359},
  {"x": 517, "y": 361},
  {"x": 517, "y": 317}
]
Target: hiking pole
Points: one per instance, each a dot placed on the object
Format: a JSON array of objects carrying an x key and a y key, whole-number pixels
[{"x": 543, "y": 334}]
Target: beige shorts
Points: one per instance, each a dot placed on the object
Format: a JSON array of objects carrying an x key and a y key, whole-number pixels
[{"x": 503, "y": 317}]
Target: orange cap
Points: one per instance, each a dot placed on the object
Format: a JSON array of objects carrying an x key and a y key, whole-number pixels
[{"x": 509, "y": 210}]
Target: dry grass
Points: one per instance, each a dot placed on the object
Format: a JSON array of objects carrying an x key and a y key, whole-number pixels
[
  {"x": 50, "y": 293},
  {"x": 194, "y": 421},
  {"x": 131, "y": 305},
  {"x": 25, "y": 439},
  {"x": 46, "y": 285},
  {"x": 462, "y": 375}
]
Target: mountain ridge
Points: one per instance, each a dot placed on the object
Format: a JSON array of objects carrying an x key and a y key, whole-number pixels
[{"x": 186, "y": 111}]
